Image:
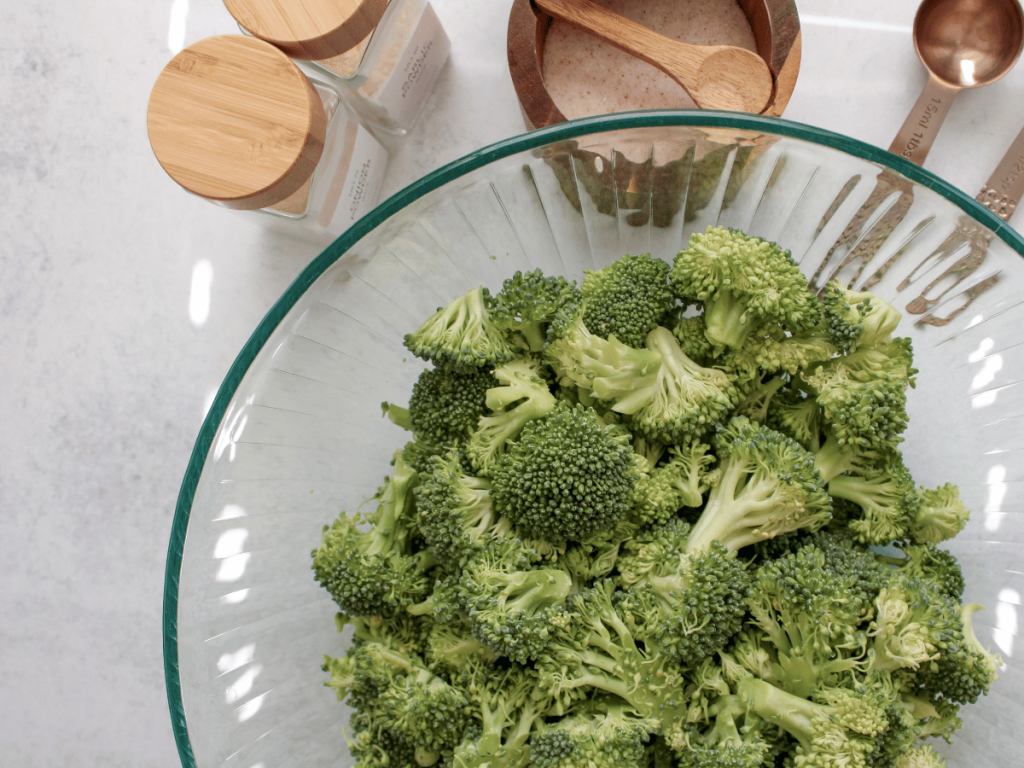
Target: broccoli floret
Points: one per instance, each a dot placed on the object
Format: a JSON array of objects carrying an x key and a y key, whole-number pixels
[
  {"x": 396, "y": 691},
  {"x": 965, "y": 670},
  {"x": 507, "y": 711},
  {"x": 886, "y": 495},
  {"x": 680, "y": 482},
  {"x": 921, "y": 756},
  {"x": 744, "y": 283},
  {"x": 837, "y": 733},
  {"x": 768, "y": 486},
  {"x": 692, "y": 338},
  {"x": 627, "y": 299},
  {"x": 689, "y": 603},
  {"x": 451, "y": 647},
  {"x": 512, "y": 607},
  {"x": 914, "y": 625},
  {"x": 456, "y": 512},
  {"x": 532, "y": 304},
  {"x": 669, "y": 397},
  {"x": 523, "y": 396},
  {"x": 377, "y": 572},
  {"x": 939, "y": 515},
  {"x": 567, "y": 477},
  {"x": 856, "y": 319},
  {"x": 931, "y": 564},
  {"x": 864, "y": 394},
  {"x": 446, "y": 405},
  {"x": 797, "y": 415},
  {"x": 462, "y": 334},
  {"x": 605, "y": 733},
  {"x": 736, "y": 738},
  {"x": 596, "y": 651},
  {"x": 808, "y": 614}
]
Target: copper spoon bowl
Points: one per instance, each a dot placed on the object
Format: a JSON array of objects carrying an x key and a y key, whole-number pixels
[{"x": 963, "y": 44}]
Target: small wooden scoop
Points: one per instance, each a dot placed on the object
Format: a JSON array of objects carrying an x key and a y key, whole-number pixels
[{"x": 715, "y": 76}]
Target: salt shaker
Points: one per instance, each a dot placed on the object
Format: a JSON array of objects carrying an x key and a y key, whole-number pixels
[
  {"x": 232, "y": 119},
  {"x": 384, "y": 55}
]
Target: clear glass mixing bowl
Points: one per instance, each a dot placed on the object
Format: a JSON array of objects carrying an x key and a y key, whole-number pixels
[{"x": 295, "y": 434}]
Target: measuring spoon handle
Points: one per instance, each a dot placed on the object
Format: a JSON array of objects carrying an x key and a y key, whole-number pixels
[
  {"x": 922, "y": 125},
  {"x": 1005, "y": 186}
]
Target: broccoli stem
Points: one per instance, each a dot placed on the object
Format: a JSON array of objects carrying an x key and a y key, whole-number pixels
[
  {"x": 739, "y": 504},
  {"x": 726, "y": 321},
  {"x": 794, "y": 714}
]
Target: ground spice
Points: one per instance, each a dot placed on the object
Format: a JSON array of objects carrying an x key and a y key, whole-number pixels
[{"x": 586, "y": 76}]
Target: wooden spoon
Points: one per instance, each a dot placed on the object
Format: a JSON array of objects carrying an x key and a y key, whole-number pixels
[{"x": 715, "y": 76}]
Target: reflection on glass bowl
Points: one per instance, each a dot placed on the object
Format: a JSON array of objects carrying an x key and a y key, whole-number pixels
[{"x": 295, "y": 434}]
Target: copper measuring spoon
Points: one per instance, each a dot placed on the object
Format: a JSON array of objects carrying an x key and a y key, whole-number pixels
[
  {"x": 963, "y": 44},
  {"x": 715, "y": 76}
]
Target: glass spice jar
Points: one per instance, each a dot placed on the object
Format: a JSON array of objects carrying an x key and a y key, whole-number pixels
[
  {"x": 385, "y": 55},
  {"x": 232, "y": 119}
]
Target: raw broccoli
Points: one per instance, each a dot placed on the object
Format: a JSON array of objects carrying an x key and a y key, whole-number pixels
[
  {"x": 680, "y": 482},
  {"x": 864, "y": 394},
  {"x": 604, "y": 733},
  {"x": 507, "y": 711},
  {"x": 768, "y": 486},
  {"x": 856, "y": 319},
  {"x": 596, "y": 651},
  {"x": 531, "y": 306},
  {"x": 446, "y": 405},
  {"x": 668, "y": 397},
  {"x": 462, "y": 334},
  {"x": 512, "y": 606},
  {"x": 396, "y": 692},
  {"x": 567, "y": 477},
  {"x": 627, "y": 299},
  {"x": 965, "y": 671},
  {"x": 921, "y": 756},
  {"x": 456, "y": 511},
  {"x": 886, "y": 496},
  {"x": 690, "y": 332},
  {"x": 523, "y": 396},
  {"x": 931, "y": 564},
  {"x": 689, "y": 603},
  {"x": 378, "y": 571},
  {"x": 735, "y": 738},
  {"x": 939, "y": 515},
  {"x": 743, "y": 283},
  {"x": 838, "y": 732}
]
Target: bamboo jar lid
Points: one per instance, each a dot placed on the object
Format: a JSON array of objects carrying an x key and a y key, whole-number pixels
[
  {"x": 309, "y": 29},
  {"x": 232, "y": 119}
]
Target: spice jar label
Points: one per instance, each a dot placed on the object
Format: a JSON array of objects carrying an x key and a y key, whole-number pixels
[
  {"x": 415, "y": 74},
  {"x": 354, "y": 191}
]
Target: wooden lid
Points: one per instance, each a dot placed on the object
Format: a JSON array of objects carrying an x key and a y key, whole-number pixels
[
  {"x": 232, "y": 119},
  {"x": 309, "y": 29}
]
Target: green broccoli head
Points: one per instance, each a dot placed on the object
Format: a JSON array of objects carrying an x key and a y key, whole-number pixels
[
  {"x": 679, "y": 482},
  {"x": 928, "y": 563},
  {"x": 512, "y": 606},
  {"x": 627, "y": 299},
  {"x": 939, "y": 515},
  {"x": 604, "y": 733},
  {"x": 965, "y": 671},
  {"x": 567, "y": 477},
  {"x": 376, "y": 572},
  {"x": 864, "y": 394},
  {"x": 531, "y": 305},
  {"x": 446, "y": 405},
  {"x": 856, "y": 319},
  {"x": 768, "y": 486},
  {"x": 744, "y": 283},
  {"x": 462, "y": 334},
  {"x": 456, "y": 512},
  {"x": 886, "y": 497}
]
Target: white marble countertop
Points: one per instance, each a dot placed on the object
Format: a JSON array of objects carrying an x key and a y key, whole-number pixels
[{"x": 107, "y": 371}]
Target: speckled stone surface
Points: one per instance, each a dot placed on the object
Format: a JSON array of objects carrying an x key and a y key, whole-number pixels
[{"x": 123, "y": 302}]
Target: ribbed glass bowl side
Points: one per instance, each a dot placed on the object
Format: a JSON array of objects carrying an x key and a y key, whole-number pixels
[{"x": 295, "y": 435}]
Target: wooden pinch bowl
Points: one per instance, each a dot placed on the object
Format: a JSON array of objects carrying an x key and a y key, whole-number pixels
[{"x": 775, "y": 25}]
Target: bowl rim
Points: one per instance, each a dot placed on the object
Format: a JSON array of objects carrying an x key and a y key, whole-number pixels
[{"x": 523, "y": 142}]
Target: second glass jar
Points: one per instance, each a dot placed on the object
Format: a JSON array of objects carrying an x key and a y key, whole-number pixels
[{"x": 383, "y": 56}]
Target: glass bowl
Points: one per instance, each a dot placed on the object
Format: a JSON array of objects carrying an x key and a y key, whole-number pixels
[{"x": 295, "y": 434}]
